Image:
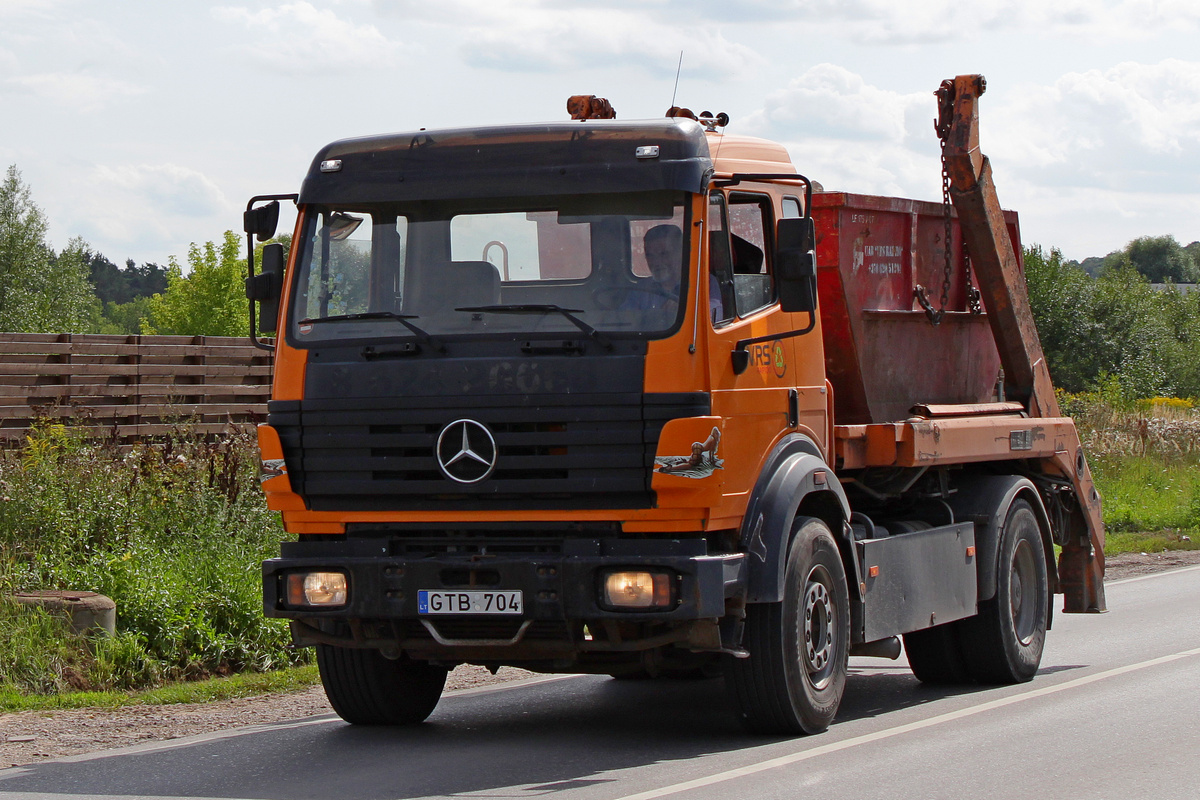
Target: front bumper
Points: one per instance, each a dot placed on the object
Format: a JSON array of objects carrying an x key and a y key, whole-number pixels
[{"x": 559, "y": 582}]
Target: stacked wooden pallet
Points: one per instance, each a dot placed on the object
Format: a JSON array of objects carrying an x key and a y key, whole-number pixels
[{"x": 131, "y": 387}]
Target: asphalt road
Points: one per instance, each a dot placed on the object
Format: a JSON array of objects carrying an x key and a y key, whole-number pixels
[{"x": 1113, "y": 713}]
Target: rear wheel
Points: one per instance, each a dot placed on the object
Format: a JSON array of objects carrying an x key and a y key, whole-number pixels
[
  {"x": 1003, "y": 642},
  {"x": 365, "y": 688},
  {"x": 796, "y": 673}
]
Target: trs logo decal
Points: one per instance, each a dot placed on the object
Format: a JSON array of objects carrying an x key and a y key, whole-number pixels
[
  {"x": 700, "y": 464},
  {"x": 768, "y": 357}
]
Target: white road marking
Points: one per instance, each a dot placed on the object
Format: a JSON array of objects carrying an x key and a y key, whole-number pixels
[{"x": 805, "y": 755}]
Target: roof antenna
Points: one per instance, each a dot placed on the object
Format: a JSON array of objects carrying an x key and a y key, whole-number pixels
[{"x": 675, "y": 91}]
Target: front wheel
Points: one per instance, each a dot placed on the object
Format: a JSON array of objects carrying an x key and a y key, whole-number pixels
[
  {"x": 799, "y": 648},
  {"x": 365, "y": 688},
  {"x": 1003, "y": 642}
]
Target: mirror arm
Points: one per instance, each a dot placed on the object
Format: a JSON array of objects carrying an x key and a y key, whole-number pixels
[
  {"x": 741, "y": 356},
  {"x": 737, "y": 178}
]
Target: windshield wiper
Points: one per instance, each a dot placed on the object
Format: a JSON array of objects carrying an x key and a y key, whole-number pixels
[
  {"x": 543, "y": 308},
  {"x": 403, "y": 319}
]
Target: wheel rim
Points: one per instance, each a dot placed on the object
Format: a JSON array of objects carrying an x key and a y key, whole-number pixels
[
  {"x": 817, "y": 628},
  {"x": 1023, "y": 592}
]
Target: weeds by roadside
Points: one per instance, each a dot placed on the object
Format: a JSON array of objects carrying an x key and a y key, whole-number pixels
[
  {"x": 173, "y": 532},
  {"x": 1145, "y": 458}
]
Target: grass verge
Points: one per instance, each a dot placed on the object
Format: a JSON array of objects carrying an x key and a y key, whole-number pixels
[
  {"x": 204, "y": 691},
  {"x": 1154, "y": 542}
]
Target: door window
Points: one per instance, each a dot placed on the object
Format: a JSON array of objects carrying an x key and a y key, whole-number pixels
[{"x": 750, "y": 238}]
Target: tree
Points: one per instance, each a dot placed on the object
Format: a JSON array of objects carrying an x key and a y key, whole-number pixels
[
  {"x": 123, "y": 285},
  {"x": 60, "y": 299},
  {"x": 125, "y": 318},
  {"x": 209, "y": 300},
  {"x": 23, "y": 249},
  {"x": 107, "y": 278},
  {"x": 144, "y": 281},
  {"x": 1114, "y": 325},
  {"x": 39, "y": 291},
  {"x": 1133, "y": 339},
  {"x": 1060, "y": 296},
  {"x": 1193, "y": 250},
  {"x": 1162, "y": 259},
  {"x": 1092, "y": 266}
]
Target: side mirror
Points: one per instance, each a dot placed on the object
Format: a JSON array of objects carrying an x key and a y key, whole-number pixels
[
  {"x": 796, "y": 264},
  {"x": 262, "y": 221},
  {"x": 266, "y": 287}
]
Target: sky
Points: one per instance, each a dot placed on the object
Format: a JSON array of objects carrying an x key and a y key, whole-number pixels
[{"x": 143, "y": 125}]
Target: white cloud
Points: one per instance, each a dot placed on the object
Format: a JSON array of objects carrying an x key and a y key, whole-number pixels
[
  {"x": 168, "y": 187},
  {"x": 1094, "y": 222},
  {"x": 147, "y": 207},
  {"x": 862, "y": 21},
  {"x": 16, "y": 10},
  {"x": 1091, "y": 161},
  {"x": 303, "y": 39},
  {"x": 831, "y": 101},
  {"x": 8, "y": 62},
  {"x": 81, "y": 91},
  {"x": 539, "y": 35},
  {"x": 582, "y": 39},
  {"x": 888, "y": 22},
  {"x": 1120, "y": 128},
  {"x": 852, "y": 136}
]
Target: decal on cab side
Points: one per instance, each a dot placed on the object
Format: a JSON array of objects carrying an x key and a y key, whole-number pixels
[{"x": 700, "y": 464}]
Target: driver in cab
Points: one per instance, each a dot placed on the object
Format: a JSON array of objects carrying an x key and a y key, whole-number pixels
[{"x": 663, "y": 246}]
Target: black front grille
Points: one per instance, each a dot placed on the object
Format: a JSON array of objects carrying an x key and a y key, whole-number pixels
[{"x": 552, "y": 452}]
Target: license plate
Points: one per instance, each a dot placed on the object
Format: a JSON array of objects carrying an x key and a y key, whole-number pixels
[{"x": 473, "y": 601}]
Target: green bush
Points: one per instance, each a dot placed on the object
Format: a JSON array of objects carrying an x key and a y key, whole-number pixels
[{"x": 173, "y": 532}]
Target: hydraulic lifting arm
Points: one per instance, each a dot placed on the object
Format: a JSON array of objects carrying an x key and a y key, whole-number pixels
[{"x": 1081, "y": 565}]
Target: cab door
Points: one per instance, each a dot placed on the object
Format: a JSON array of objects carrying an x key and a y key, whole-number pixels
[{"x": 783, "y": 389}]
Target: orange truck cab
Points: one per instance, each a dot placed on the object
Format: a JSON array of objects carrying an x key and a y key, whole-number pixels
[{"x": 576, "y": 397}]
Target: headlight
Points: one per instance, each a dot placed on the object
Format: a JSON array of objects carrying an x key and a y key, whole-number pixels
[
  {"x": 319, "y": 589},
  {"x": 639, "y": 590}
]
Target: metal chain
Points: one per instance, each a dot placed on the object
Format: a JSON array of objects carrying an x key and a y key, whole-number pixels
[
  {"x": 935, "y": 315},
  {"x": 974, "y": 297},
  {"x": 949, "y": 229},
  {"x": 942, "y": 125}
]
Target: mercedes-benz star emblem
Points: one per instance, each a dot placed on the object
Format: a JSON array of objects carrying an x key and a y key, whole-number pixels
[{"x": 466, "y": 451}]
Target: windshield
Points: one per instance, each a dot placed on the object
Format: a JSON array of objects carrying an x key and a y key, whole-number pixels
[{"x": 605, "y": 263}]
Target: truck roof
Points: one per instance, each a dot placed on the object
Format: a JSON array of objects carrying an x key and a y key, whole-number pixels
[
  {"x": 564, "y": 158},
  {"x": 733, "y": 154}
]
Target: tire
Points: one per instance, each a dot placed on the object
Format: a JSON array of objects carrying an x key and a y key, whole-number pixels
[
  {"x": 799, "y": 648},
  {"x": 935, "y": 655},
  {"x": 365, "y": 688},
  {"x": 1003, "y": 643}
]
